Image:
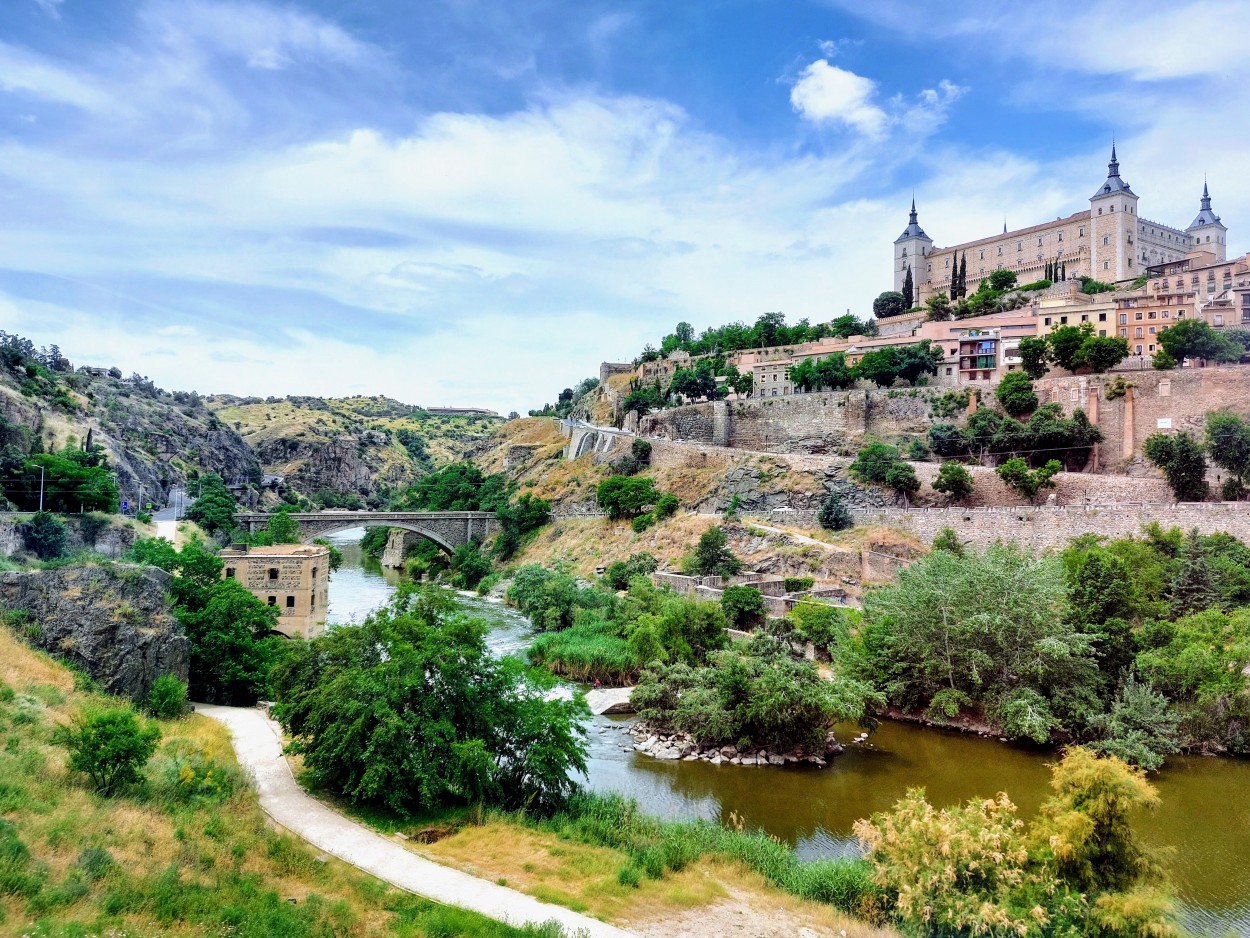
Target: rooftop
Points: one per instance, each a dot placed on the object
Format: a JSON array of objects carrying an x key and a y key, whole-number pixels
[{"x": 276, "y": 550}]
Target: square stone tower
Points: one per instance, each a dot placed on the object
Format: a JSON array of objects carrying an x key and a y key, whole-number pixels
[
  {"x": 910, "y": 250},
  {"x": 1113, "y": 220}
]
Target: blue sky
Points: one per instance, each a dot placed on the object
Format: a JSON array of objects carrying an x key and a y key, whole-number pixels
[{"x": 476, "y": 202}]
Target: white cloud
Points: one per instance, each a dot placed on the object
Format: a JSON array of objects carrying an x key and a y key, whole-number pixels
[
  {"x": 929, "y": 111},
  {"x": 826, "y": 94},
  {"x": 25, "y": 72},
  {"x": 51, "y": 7}
]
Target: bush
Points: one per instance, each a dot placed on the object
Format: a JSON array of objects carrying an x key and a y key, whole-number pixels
[
  {"x": 641, "y": 451},
  {"x": 47, "y": 536},
  {"x": 1028, "y": 482},
  {"x": 712, "y": 556},
  {"x": 833, "y": 514},
  {"x": 1015, "y": 394},
  {"x": 642, "y": 522},
  {"x": 1180, "y": 458},
  {"x": 626, "y": 497},
  {"x": 667, "y": 506},
  {"x": 167, "y": 700},
  {"x": 618, "y": 575},
  {"x": 188, "y": 775},
  {"x": 954, "y": 481},
  {"x": 744, "y": 606},
  {"x": 798, "y": 584},
  {"x": 110, "y": 747}
]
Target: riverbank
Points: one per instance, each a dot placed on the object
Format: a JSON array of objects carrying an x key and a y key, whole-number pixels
[{"x": 666, "y": 745}]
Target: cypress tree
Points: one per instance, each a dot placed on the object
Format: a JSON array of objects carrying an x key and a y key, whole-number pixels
[
  {"x": 1193, "y": 586},
  {"x": 963, "y": 275},
  {"x": 1063, "y": 272},
  {"x": 909, "y": 289}
]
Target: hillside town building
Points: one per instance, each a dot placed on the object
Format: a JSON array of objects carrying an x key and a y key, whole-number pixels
[
  {"x": 1109, "y": 241},
  {"x": 294, "y": 578}
]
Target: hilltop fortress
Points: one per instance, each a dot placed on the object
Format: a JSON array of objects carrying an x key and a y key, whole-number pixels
[{"x": 1109, "y": 241}]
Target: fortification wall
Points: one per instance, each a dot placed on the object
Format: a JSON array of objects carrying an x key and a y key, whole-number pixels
[
  {"x": 1053, "y": 526},
  {"x": 839, "y": 422}
]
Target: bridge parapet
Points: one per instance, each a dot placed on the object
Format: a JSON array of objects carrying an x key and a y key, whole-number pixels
[{"x": 447, "y": 529}]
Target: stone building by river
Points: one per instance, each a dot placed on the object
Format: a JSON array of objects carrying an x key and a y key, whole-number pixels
[{"x": 293, "y": 577}]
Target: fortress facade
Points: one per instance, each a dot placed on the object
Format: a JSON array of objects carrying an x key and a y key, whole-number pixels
[{"x": 1109, "y": 241}]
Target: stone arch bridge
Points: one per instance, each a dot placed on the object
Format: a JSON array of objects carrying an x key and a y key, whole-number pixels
[{"x": 447, "y": 529}]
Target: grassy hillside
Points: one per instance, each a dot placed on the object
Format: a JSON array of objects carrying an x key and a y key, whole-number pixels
[
  {"x": 357, "y": 445},
  {"x": 184, "y": 854}
]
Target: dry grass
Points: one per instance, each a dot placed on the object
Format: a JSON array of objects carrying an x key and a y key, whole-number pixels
[
  {"x": 711, "y": 896},
  {"x": 586, "y": 543}
]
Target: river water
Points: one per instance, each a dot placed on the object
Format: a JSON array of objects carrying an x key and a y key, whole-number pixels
[{"x": 1203, "y": 823}]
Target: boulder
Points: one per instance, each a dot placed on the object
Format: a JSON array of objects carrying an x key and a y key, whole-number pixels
[{"x": 114, "y": 622}]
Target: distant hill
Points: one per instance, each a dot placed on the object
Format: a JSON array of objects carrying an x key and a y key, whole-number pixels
[{"x": 354, "y": 446}]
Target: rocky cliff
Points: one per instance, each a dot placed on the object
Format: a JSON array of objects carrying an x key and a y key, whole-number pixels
[{"x": 114, "y": 622}]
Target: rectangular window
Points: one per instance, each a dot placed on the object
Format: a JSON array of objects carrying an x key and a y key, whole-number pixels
[
  {"x": 1123, "y": 318},
  {"x": 1102, "y": 317},
  {"x": 290, "y": 602},
  {"x": 1151, "y": 330},
  {"x": 273, "y": 600},
  {"x": 1047, "y": 320},
  {"x": 1137, "y": 333},
  {"x": 229, "y": 573},
  {"x": 273, "y": 573},
  {"x": 1137, "y": 316}
]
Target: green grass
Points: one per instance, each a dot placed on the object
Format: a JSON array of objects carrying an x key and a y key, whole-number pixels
[
  {"x": 187, "y": 852},
  {"x": 586, "y": 652}
]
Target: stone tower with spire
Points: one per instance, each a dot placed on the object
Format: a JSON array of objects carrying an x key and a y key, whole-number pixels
[
  {"x": 910, "y": 250},
  {"x": 1207, "y": 231},
  {"x": 1113, "y": 220}
]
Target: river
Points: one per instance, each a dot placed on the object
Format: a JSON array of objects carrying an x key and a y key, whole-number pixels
[{"x": 1203, "y": 821}]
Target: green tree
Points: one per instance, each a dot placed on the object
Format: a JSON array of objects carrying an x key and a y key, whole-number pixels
[
  {"x": 901, "y": 477},
  {"x": 948, "y": 540},
  {"x": 1140, "y": 728},
  {"x": 619, "y": 574},
  {"x": 1015, "y": 394},
  {"x": 1193, "y": 338},
  {"x": 47, "y": 536},
  {"x": 939, "y": 306},
  {"x": 890, "y": 303},
  {"x": 410, "y": 709},
  {"x": 231, "y": 645},
  {"x": 71, "y": 481},
  {"x": 1065, "y": 344},
  {"x": 1100, "y": 353},
  {"x": 1002, "y": 280},
  {"x": 1162, "y": 361},
  {"x": 109, "y": 746},
  {"x": 1034, "y": 356},
  {"x": 833, "y": 514},
  {"x": 1228, "y": 444},
  {"x": 963, "y": 274},
  {"x": 336, "y": 555},
  {"x": 626, "y": 496},
  {"x": 712, "y": 556},
  {"x": 1179, "y": 456},
  {"x": 282, "y": 528},
  {"x": 887, "y": 365},
  {"x": 1193, "y": 586},
  {"x": 1028, "y": 482},
  {"x": 214, "y": 506},
  {"x": 954, "y": 481},
  {"x": 909, "y": 289},
  {"x": 846, "y": 325},
  {"x": 468, "y": 566},
  {"x": 743, "y": 606}
]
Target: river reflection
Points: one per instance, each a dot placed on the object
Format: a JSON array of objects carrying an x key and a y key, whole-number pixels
[{"x": 1204, "y": 816}]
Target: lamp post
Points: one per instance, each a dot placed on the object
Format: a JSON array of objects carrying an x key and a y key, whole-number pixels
[{"x": 41, "y": 488}]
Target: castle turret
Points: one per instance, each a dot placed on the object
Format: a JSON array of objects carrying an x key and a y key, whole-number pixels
[
  {"x": 1113, "y": 220},
  {"x": 910, "y": 250},
  {"x": 1207, "y": 231}
]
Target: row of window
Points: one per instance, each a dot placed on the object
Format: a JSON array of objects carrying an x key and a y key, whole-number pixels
[{"x": 272, "y": 573}]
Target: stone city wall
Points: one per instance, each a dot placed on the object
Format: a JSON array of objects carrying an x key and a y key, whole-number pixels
[
  {"x": 1053, "y": 526},
  {"x": 841, "y": 421}
]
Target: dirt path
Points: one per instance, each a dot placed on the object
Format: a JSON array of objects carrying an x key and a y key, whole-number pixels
[{"x": 258, "y": 745}]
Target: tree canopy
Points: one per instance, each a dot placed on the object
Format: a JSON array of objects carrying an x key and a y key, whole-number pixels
[{"x": 411, "y": 710}]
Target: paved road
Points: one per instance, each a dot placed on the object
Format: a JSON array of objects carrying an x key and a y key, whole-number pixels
[
  {"x": 258, "y": 745},
  {"x": 167, "y": 518}
]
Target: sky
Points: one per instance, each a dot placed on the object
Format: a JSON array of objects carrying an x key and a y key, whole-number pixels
[{"x": 475, "y": 202}]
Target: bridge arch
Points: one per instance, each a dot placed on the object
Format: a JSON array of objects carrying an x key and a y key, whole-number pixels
[{"x": 428, "y": 534}]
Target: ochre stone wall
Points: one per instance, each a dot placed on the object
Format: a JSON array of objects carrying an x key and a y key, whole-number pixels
[
  {"x": 1052, "y": 526},
  {"x": 839, "y": 422}
]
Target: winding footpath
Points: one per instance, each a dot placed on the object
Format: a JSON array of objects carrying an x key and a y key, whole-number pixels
[{"x": 258, "y": 746}]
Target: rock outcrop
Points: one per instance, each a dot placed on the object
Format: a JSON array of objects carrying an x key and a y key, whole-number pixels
[{"x": 114, "y": 622}]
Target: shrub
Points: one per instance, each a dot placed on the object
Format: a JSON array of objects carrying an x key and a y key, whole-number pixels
[
  {"x": 641, "y": 451},
  {"x": 47, "y": 536},
  {"x": 642, "y": 522},
  {"x": 626, "y": 497},
  {"x": 109, "y": 747},
  {"x": 798, "y": 584},
  {"x": 167, "y": 699},
  {"x": 712, "y": 556},
  {"x": 1015, "y": 394},
  {"x": 1028, "y": 482},
  {"x": 667, "y": 506},
  {"x": 188, "y": 775},
  {"x": 833, "y": 514},
  {"x": 618, "y": 574},
  {"x": 1180, "y": 458},
  {"x": 744, "y": 606},
  {"x": 948, "y": 540},
  {"x": 954, "y": 481}
]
